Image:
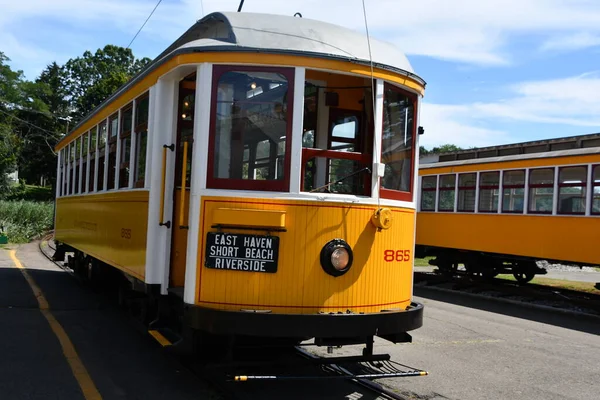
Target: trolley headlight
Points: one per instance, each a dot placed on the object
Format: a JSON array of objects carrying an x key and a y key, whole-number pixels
[{"x": 336, "y": 257}]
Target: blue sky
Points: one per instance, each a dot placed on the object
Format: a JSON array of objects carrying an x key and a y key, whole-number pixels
[{"x": 497, "y": 71}]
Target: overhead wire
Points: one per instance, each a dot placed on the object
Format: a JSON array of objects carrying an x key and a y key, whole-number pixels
[
  {"x": 144, "y": 24},
  {"x": 372, "y": 95}
]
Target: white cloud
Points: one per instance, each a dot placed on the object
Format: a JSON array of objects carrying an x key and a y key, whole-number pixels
[
  {"x": 576, "y": 41},
  {"x": 572, "y": 101},
  {"x": 466, "y": 31}
]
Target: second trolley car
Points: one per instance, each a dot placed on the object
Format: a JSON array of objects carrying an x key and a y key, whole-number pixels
[{"x": 498, "y": 212}]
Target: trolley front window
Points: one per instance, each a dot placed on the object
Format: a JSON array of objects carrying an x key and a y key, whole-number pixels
[
  {"x": 447, "y": 192},
  {"x": 397, "y": 150},
  {"x": 541, "y": 190},
  {"x": 251, "y": 125},
  {"x": 466, "y": 192},
  {"x": 489, "y": 186},
  {"x": 572, "y": 182},
  {"x": 596, "y": 190},
  {"x": 141, "y": 131},
  {"x": 513, "y": 191},
  {"x": 428, "y": 188}
]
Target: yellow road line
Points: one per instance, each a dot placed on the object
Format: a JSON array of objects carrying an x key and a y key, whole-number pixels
[
  {"x": 79, "y": 371},
  {"x": 160, "y": 338}
]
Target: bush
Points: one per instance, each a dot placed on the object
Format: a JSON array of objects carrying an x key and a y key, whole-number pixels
[
  {"x": 23, "y": 221},
  {"x": 21, "y": 191}
]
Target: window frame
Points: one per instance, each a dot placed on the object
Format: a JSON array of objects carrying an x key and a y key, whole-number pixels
[
  {"x": 446, "y": 189},
  {"x": 474, "y": 187},
  {"x": 391, "y": 193},
  {"x": 582, "y": 185},
  {"x": 594, "y": 184},
  {"x": 427, "y": 189},
  {"x": 488, "y": 187},
  {"x": 124, "y": 133},
  {"x": 511, "y": 186},
  {"x": 282, "y": 185},
  {"x": 137, "y": 130},
  {"x": 540, "y": 185}
]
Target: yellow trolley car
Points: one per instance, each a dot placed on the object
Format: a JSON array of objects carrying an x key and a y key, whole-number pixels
[
  {"x": 503, "y": 208},
  {"x": 260, "y": 172}
]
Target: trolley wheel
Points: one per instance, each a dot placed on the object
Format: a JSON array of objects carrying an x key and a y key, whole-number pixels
[
  {"x": 523, "y": 277},
  {"x": 448, "y": 268}
]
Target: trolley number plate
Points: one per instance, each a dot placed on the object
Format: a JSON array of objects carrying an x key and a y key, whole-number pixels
[{"x": 240, "y": 252}]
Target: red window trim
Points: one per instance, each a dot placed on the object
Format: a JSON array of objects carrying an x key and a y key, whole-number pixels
[
  {"x": 246, "y": 184},
  {"x": 430, "y": 189},
  {"x": 397, "y": 194},
  {"x": 513, "y": 186},
  {"x": 537, "y": 186},
  {"x": 446, "y": 189},
  {"x": 594, "y": 185},
  {"x": 474, "y": 187},
  {"x": 580, "y": 185}
]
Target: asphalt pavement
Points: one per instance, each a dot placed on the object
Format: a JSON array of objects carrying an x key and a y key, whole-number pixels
[{"x": 122, "y": 362}]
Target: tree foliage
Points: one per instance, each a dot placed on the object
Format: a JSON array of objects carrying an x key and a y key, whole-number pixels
[
  {"x": 34, "y": 115},
  {"x": 445, "y": 148}
]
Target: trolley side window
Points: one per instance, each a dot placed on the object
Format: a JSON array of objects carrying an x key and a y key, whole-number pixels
[
  {"x": 513, "y": 191},
  {"x": 113, "y": 130},
  {"x": 93, "y": 151},
  {"x": 125, "y": 138},
  {"x": 489, "y": 190},
  {"x": 84, "y": 154},
  {"x": 397, "y": 150},
  {"x": 466, "y": 192},
  {"x": 541, "y": 190},
  {"x": 76, "y": 165},
  {"x": 428, "y": 189},
  {"x": 572, "y": 182},
  {"x": 596, "y": 190},
  {"x": 141, "y": 140},
  {"x": 447, "y": 192},
  {"x": 101, "y": 154},
  {"x": 251, "y": 125}
]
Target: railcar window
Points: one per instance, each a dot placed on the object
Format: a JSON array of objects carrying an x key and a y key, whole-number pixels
[
  {"x": 141, "y": 130},
  {"x": 91, "y": 179},
  {"x": 101, "y": 154},
  {"x": 113, "y": 126},
  {"x": 125, "y": 138},
  {"x": 447, "y": 192},
  {"x": 466, "y": 192},
  {"x": 596, "y": 189},
  {"x": 76, "y": 165},
  {"x": 84, "y": 154},
  {"x": 251, "y": 124},
  {"x": 572, "y": 183},
  {"x": 65, "y": 167},
  {"x": 541, "y": 190},
  {"x": 397, "y": 143},
  {"x": 489, "y": 190},
  {"x": 513, "y": 191},
  {"x": 428, "y": 189},
  {"x": 311, "y": 97}
]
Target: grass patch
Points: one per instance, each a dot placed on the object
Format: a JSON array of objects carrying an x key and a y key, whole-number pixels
[
  {"x": 24, "y": 221},
  {"x": 588, "y": 287},
  {"x": 423, "y": 262}
]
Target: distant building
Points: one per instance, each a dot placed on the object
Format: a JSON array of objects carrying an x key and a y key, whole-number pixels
[{"x": 13, "y": 176}]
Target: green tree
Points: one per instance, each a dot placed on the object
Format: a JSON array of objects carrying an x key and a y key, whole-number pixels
[
  {"x": 10, "y": 95},
  {"x": 92, "y": 78}
]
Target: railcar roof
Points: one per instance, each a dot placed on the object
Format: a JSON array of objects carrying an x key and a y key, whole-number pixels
[
  {"x": 532, "y": 156},
  {"x": 287, "y": 34}
]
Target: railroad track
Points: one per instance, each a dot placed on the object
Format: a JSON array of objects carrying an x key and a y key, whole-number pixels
[
  {"x": 528, "y": 293},
  {"x": 294, "y": 370}
]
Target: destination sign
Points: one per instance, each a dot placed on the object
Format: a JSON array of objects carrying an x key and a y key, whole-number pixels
[{"x": 240, "y": 252}]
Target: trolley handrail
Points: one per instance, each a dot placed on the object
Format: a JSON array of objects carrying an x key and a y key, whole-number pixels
[
  {"x": 183, "y": 176},
  {"x": 162, "y": 190}
]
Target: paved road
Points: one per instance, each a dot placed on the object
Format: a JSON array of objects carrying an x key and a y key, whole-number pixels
[
  {"x": 477, "y": 349},
  {"x": 122, "y": 363}
]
